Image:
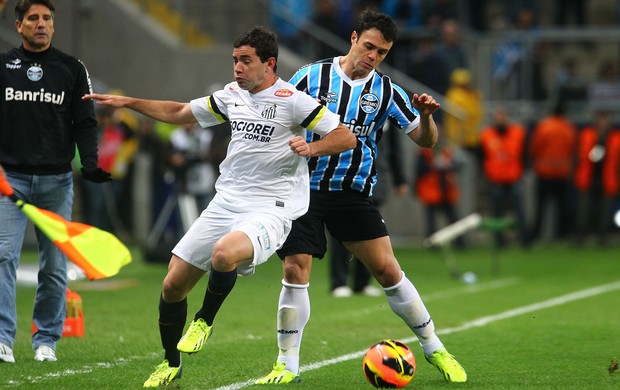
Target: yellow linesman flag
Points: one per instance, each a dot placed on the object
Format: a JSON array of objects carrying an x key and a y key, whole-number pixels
[{"x": 97, "y": 252}]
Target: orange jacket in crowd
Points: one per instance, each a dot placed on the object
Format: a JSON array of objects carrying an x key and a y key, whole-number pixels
[
  {"x": 552, "y": 148},
  {"x": 503, "y": 154},
  {"x": 428, "y": 184},
  {"x": 588, "y": 138}
]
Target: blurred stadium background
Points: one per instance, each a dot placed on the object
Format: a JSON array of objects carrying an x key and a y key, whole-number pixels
[{"x": 180, "y": 49}]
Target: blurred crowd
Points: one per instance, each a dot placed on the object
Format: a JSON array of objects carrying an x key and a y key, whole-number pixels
[
  {"x": 575, "y": 170},
  {"x": 436, "y": 37}
]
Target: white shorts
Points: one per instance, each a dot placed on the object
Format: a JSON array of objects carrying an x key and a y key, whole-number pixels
[{"x": 267, "y": 232}]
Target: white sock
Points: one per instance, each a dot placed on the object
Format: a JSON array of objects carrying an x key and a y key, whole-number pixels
[
  {"x": 293, "y": 315},
  {"x": 405, "y": 301}
]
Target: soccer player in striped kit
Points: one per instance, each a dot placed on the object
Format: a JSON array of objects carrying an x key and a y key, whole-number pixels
[{"x": 341, "y": 193}]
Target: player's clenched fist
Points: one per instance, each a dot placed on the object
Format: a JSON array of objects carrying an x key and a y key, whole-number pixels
[{"x": 300, "y": 146}]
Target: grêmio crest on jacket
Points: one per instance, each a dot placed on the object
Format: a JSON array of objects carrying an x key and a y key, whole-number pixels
[{"x": 35, "y": 72}]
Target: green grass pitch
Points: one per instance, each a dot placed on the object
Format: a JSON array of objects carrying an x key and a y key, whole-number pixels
[{"x": 548, "y": 319}]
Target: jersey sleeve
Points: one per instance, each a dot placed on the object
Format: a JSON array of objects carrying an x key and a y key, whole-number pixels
[
  {"x": 401, "y": 113},
  {"x": 83, "y": 119},
  {"x": 314, "y": 116},
  {"x": 300, "y": 79},
  {"x": 209, "y": 110}
]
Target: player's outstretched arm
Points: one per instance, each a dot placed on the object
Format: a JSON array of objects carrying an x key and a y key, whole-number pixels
[
  {"x": 337, "y": 141},
  {"x": 426, "y": 134},
  {"x": 161, "y": 110}
]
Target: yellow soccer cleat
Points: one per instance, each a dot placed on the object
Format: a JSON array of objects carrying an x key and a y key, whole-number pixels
[
  {"x": 447, "y": 365},
  {"x": 195, "y": 337},
  {"x": 163, "y": 375},
  {"x": 278, "y": 376}
]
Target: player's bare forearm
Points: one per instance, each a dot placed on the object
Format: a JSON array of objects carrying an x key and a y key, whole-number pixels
[
  {"x": 161, "y": 110},
  {"x": 426, "y": 134},
  {"x": 338, "y": 141}
]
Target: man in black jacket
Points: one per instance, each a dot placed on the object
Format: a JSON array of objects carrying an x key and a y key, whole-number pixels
[{"x": 42, "y": 118}]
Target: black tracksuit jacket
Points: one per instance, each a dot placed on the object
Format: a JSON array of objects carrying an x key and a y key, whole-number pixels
[{"x": 42, "y": 115}]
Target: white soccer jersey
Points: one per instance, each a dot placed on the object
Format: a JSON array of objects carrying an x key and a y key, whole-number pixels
[{"x": 260, "y": 171}]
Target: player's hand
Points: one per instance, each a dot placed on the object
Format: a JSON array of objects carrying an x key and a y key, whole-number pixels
[
  {"x": 299, "y": 145},
  {"x": 96, "y": 175},
  {"x": 425, "y": 104},
  {"x": 107, "y": 100}
]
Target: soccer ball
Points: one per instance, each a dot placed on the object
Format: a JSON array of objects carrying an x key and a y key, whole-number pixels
[{"x": 389, "y": 364}]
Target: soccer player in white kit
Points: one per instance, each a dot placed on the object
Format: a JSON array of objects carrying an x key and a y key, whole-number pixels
[{"x": 263, "y": 186}]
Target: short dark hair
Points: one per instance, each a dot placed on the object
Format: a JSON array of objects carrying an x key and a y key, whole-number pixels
[
  {"x": 371, "y": 19},
  {"x": 263, "y": 40},
  {"x": 24, "y": 5}
]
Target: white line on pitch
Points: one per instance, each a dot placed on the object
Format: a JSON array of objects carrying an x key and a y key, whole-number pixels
[
  {"x": 455, "y": 292},
  {"x": 84, "y": 370},
  {"x": 482, "y": 321},
  {"x": 470, "y": 289}
]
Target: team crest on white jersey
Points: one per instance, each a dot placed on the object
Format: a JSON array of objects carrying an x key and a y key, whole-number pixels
[
  {"x": 369, "y": 103},
  {"x": 35, "y": 73},
  {"x": 14, "y": 64},
  {"x": 269, "y": 111}
]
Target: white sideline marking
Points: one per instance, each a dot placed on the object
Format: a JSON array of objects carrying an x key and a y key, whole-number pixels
[
  {"x": 472, "y": 288},
  {"x": 482, "y": 321},
  {"x": 84, "y": 370}
]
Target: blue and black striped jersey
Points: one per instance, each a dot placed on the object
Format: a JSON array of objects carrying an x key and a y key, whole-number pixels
[{"x": 363, "y": 105}]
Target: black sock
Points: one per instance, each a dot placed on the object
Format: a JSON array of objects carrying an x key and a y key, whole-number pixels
[
  {"x": 172, "y": 317},
  {"x": 219, "y": 286}
]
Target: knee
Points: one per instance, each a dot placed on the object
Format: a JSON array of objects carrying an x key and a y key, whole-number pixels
[
  {"x": 388, "y": 274},
  {"x": 172, "y": 291},
  {"x": 222, "y": 257},
  {"x": 292, "y": 273},
  {"x": 297, "y": 269}
]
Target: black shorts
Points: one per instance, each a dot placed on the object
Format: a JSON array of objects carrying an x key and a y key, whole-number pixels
[{"x": 348, "y": 215}]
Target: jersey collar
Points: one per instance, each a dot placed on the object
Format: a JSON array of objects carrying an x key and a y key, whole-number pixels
[{"x": 346, "y": 78}]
